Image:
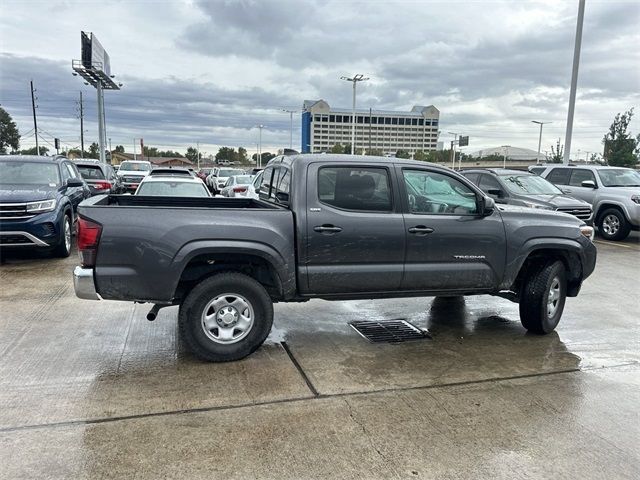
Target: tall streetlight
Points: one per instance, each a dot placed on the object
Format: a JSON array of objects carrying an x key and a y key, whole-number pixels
[
  {"x": 504, "y": 162},
  {"x": 574, "y": 83},
  {"x": 355, "y": 79},
  {"x": 453, "y": 151},
  {"x": 539, "y": 138},
  {"x": 260, "y": 145},
  {"x": 290, "y": 112}
]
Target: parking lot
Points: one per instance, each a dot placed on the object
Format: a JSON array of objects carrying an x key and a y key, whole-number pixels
[{"x": 94, "y": 390}]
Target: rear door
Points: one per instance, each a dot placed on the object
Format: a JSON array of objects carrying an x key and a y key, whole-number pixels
[
  {"x": 355, "y": 230},
  {"x": 449, "y": 245}
]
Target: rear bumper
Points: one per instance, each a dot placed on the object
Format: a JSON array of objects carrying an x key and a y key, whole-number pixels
[{"x": 84, "y": 285}]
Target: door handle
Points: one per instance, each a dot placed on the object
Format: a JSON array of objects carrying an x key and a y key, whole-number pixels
[
  {"x": 421, "y": 230},
  {"x": 327, "y": 229}
]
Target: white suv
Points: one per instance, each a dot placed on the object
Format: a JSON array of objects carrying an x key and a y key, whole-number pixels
[
  {"x": 132, "y": 172},
  {"x": 613, "y": 192}
]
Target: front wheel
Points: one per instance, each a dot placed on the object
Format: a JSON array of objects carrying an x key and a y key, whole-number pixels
[
  {"x": 226, "y": 317},
  {"x": 543, "y": 297}
]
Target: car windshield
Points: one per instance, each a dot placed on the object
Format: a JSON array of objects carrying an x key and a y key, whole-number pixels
[
  {"x": 173, "y": 189},
  {"x": 135, "y": 167},
  {"x": 91, "y": 172},
  {"x": 229, "y": 172},
  {"x": 29, "y": 173},
  {"x": 619, "y": 177},
  {"x": 529, "y": 184}
]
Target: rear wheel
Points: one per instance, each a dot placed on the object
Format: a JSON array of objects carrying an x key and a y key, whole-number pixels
[
  {"x": 63, "y": 248},
  {"x": 543, "y": 297},
  {"x": 226, "y": 317},
  {"x": 613, "y": 225}
]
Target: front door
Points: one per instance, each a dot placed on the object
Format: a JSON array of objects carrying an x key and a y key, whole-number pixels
[
  {"x": 355, "y": 231},
  {"x": 575, "y": 188},
  {"x": 449, "y": 245}
]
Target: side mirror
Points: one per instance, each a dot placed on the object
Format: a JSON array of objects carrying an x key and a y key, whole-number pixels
[
  {"x": 75, "y": 182},
  {"x": 589, "y": 184},
  {"x": 495, "y": 192},
  {"x": 487, "y": 206}
]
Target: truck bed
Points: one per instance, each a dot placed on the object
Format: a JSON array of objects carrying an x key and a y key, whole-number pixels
[{"x": 186, "y": 202}]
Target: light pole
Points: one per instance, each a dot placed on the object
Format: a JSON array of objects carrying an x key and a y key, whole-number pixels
[
  {"x": 504, "y": 162},
  {"x": 453, "y": 151},
  {"x": 260, "y": 145},
  {"x": 290, "y": 112},
  {"x": 355, "y": 79},
  {"x": 539, "y": 138},
  {"x": 574, "y": 83}
]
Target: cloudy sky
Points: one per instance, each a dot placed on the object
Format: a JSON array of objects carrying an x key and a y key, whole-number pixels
[{"x": 208, "y": 71}]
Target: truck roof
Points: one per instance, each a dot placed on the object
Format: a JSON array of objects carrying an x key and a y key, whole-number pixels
[{"x": 314, "y": 157}]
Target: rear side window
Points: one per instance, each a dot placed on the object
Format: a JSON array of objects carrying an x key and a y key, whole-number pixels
[
  {"x": 559, "y": 176},
  {"x": 355, "y": 188},
  {"x": 579, "y": 175},
  {"x": 275, "y": 185}
]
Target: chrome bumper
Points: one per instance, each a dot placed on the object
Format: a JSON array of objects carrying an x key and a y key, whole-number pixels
[{"x": 84, "y": 285}]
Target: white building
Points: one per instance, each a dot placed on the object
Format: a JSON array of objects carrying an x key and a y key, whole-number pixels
[{"x": 387, "y": 131}]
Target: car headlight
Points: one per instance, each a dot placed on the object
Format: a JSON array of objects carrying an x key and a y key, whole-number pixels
[
  {"x": 635, "y": 199},
  {"x": 40, "y": 207},
  {"x": 587, "y": 231},
  {"x": 537, "y": 205}
]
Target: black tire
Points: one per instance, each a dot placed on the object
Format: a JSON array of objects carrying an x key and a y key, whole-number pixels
[
  {"x": 534, "y": 298},
  {"x": 62, "y": 249},
  {"x": 613, "y": 225},
  {"x": 191, "y": 321}
]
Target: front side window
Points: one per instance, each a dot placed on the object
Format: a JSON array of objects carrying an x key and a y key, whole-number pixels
[
  {"x": 435, "y": 193},
  {"x": 355, "y": 188},
  {"x": 487, "y": 182}
]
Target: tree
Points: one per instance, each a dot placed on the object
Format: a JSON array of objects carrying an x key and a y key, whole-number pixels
[
  {"x": 402, "y": 154},
  {"x": 242, "y": 155},
  {"x": 227, "y": 153},
  {"x": 557, "y": 154},
  {"x": 266, "y": 156},
  {"x": 94, "y": 151},
  {"x": 192, "y": 154},
  {"x": 420, "y": 155},
  {"x": 119, "y": 149},
  {"x": 375, "y": 152},
  {"x": 347, "y": 149},
  {"x": 32, "y": 151},
  {"x": 337, "y": 148},
  {"x": 9, "y": 135},
  {"x": 621, "y": 149}
]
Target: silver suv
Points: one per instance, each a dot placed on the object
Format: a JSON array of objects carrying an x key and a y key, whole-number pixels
[{"x": 614, "y": 193}]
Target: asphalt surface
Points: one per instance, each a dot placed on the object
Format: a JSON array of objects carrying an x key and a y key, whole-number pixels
[{"x": 94, "y": 390}]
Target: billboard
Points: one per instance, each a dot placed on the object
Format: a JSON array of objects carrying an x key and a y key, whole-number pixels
[{"x": 94, "y": 57}]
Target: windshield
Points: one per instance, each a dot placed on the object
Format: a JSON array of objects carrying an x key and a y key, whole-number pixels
[
  {"x": 619, "y": 177},
  {"x": 529, "y": 184},
  {"x": 229, "y": 172},
  {"x": 173, "y": 189},
  {"x": 90, "y": 172},
  {"x": 135, "y": 167},
  {"x": 29, "y": 173}
]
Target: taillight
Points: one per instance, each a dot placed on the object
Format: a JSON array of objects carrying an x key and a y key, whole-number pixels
[
  {"x": 88, "y": 235},
  {"x": 102, "y": 185},
  {"x": 239, "y": 189}
]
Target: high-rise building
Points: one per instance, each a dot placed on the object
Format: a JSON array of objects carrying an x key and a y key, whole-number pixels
[{"x": 377, "y": 130}]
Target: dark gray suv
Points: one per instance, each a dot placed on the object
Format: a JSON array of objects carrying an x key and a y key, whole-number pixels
[{"x": 514, "y": 187}]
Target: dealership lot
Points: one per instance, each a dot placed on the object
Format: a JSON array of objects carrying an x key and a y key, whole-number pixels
[{"x": 93, "y": 390}]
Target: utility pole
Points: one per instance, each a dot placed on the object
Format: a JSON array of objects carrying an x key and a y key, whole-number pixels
[
  {"x": 81, "y": 126},
  {"x": 290, "y": 112},
  {"x": 539, "y": 139},
  {"x": 504, "y": 163},
  {"x": 35, "y": 121},
  {"x": 101, "y": 135},
  {"x": 260, "y": 127},
  {"x": 355, "y": 79},
  {"x": 453, "y": 149},
  {"x": 134, "y": 149},
  {"x": 574, "y": 83},
  {"x": 370, "y": 111},
  {"x": 198, "y": 149}
]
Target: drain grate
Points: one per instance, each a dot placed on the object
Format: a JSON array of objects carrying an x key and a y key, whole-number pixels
[{"x": 391, "y": 331}]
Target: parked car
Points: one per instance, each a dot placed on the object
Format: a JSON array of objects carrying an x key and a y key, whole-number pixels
[
  {"x": 39, "y": 197},
  {"x": 100, "y": 177},
  {"x": 172, "y": 172},
  {"x": 172, "y": 186},
  {"x": 218, "y": 178},
  {"x": 514, "y": 187},
  {"x": 132, "y": 172},
  {"x": 223, "y": 163},
  {"x": 236, "y": 186},
  {"x": 334, "y": 227},
  {"x": 253, "y": 187},
  {"x": 613, "y": 192}
]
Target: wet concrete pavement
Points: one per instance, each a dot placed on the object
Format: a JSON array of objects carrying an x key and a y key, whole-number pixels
[{"x": 94, "y": 390}]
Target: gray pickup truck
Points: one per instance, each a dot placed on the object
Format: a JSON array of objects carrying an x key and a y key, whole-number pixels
[{"x": 332, "y": 227}]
